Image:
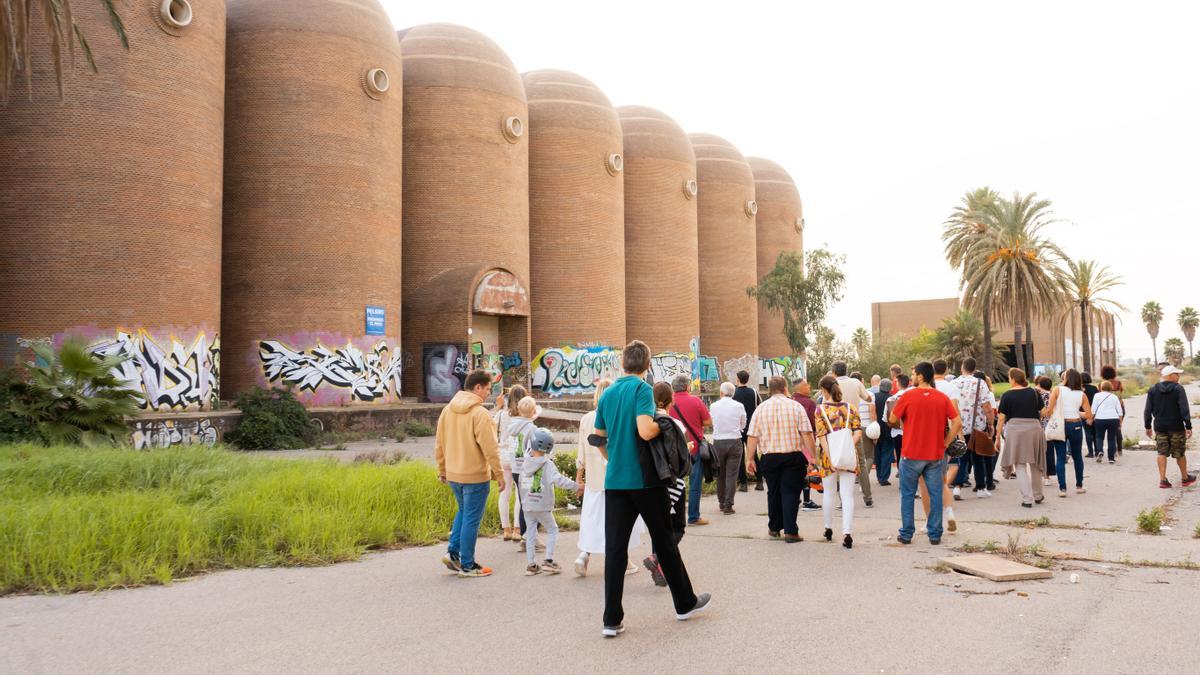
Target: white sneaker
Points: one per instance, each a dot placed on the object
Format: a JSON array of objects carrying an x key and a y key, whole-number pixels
[
  {"x": 631, "y": 569},
  {"x": 1045, "y": 482},
  {"x": 983, "y": 494},
  {"x": 581, "y": 565},
  {"x": 957, "y": 494}
]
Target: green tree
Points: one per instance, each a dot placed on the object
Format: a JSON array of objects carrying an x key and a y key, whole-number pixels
[
  {"x": 1019, "y": 269},
  {"x": 1173, "y": 351},
  {"x": 1152, "y": 316},
  {"x": 74, "y": 398},
  {"x": 965, "y": 237},
  {"x": 17, "y": 23},
  {"x": 962, "y": 336},
  {"x": 801, "y": 289},
  {"x": 1087, "y": 284},
  {"x": 861, "y": 340},
  {"x": 1188, "y": 320}
]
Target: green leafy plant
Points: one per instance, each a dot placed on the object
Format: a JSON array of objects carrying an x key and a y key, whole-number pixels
[
  {"x": 801, "y": 289},
  {"x": 272, "y": 419},
  {"x": 1196, "y": 532},
  {"x": 74, "y": 398},
  {"x": 13, "y": 429},
  {"x": 417, "y": 429},
  {"x": 1150, "y": 521}
]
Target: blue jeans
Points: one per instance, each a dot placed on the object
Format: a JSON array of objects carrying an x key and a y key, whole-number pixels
[
  {"x": 1073, "y": 445},
  {"x": 695, "y": 486},
  {"x": 1110, "y": 430},
  {"x": 471, "y": 498},
  {"x": 934, "y": 472},
  {"x": 883, "y": 456}
]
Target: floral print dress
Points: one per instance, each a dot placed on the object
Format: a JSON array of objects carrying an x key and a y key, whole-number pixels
[{"x": 841, "y": 416}]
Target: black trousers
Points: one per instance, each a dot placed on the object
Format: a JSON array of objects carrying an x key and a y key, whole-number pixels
[
  {"x": 785, "y": 474},
  {"x": 621, "y": 509}
]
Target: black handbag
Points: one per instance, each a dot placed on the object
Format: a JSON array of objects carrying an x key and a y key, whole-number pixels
[{"x": 705, "y": 450}]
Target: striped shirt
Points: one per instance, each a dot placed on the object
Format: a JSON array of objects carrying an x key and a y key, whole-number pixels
[{"x": 778, "y": 423}]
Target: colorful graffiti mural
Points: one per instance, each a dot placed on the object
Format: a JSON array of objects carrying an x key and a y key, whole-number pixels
[
  {"x": 171, "y": 374},
  {"x": 150, "y": 434},
  {"x": 786, "y": 366},
  {"x": 446, "y": 368},
  {"x": 568, "y": 370},
  {"x": 327, "y": 375}
]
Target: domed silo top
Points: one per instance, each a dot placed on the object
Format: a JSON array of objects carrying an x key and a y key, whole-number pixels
[
  {"x": 446, "y": 55},
  {"x": 567, "y": 100},
  {"x": 650, "y": 133},
  {"x": 772, "y": 183},
  {"x": 724, "y": 163},
  {"x": 358, "y": 19}
]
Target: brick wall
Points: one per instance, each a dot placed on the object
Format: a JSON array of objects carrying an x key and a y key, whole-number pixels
[{"x": 778, "y": 229}]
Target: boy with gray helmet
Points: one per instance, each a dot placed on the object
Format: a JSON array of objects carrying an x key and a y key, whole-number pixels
[{"x": 539, "y": 477}]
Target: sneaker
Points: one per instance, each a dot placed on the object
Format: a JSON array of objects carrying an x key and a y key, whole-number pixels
[
  {"x": 551, "y": 567},
  {"x": 957, "y": 494},
  {"x": 869, "y": 503},
  {"x": 904, "y": 541},
  {"x": 1045, "y": 482},
  {"x": 1164, "y": 484},
  {"x": 476, "y": 570},
  {"x": 1189, "y": 481},
  {"x": 452, "y": 563},
  {"x": 521, "y": 547},
  {"x": 612, "y": 631},
  {"x": 743, "y": 488},
  {"x": 631, "y": 569},
  {"x": 1062, "y": 493},
  {"x": 532, "y": 569},
  {"x": 728, "y": 512},
  {"x": 581, "y": 565},
  {"x": 656, "y": 574},
  {"x": 698, "y": 521},
  {"x": 885, "y": 483},
  {"x": 810, "y": 506},
  {"x": 702, "y": 602},
  {"x": 935, "y": 542},
  {"x": 1080, "y": 490},
  {"x": 983, "y": 494}
]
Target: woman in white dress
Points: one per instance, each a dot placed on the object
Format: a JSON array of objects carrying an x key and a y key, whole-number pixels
[
  {"x": 590, "y": 467},
  {"x": 509, "y": 499}
]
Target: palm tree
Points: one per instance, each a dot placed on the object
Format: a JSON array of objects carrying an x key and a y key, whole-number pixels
[
  {"x": 961, "y": 336},
  {"x": 1173, "y": 351},
  {"x": 17, "y": 23},
  {"x": 1188, "y": 320},
  {"x": 861, "y": 341},
  {"x": 1087, "y": 282},
  {"x": 1019, "y": 271},
  {"x": 1152, "y": 316},
  {"x": 964, "y": 232}
]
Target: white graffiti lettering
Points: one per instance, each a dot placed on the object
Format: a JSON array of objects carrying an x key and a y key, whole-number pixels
[
  {"x": 369, "y": 376},
  {"x": 566, "y": 370},
  {"x": 168, "y": 433},
  {"x": 169, "y": 379}
]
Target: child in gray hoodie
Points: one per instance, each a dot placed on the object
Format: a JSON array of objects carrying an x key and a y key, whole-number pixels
[{"x": 539, "y": 477}]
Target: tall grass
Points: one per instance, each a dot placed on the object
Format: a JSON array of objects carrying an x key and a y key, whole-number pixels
[{"x": 74, "y": 520}]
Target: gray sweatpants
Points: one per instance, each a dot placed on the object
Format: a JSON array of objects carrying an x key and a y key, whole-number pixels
[{"x": 546, "y": 520}]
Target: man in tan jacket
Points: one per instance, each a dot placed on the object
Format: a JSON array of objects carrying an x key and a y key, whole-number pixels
[{"x": 468, "y": 458}]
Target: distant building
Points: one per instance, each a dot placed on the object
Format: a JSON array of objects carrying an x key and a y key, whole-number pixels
[{"x": 1056, "y": 344}]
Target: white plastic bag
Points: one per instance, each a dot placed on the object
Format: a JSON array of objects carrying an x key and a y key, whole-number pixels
[{"x": 842, "y": 455}]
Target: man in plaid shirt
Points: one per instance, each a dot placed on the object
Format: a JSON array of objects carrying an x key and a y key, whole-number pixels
[{"x": 780, "y": 431}]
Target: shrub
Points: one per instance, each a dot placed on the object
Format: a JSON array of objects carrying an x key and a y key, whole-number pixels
[
  {"x": 417, "y": 429},
  {"x": 272, "y": 419},
  {"x": 1150, "y": 521},
  {"x": 74, "y": 398},
  {"x": 565, "y": 463},
  {"x": 13, "y": 429},
  {"x": 1128, "y": 442},
  {"x": 1196, "y": 532}
]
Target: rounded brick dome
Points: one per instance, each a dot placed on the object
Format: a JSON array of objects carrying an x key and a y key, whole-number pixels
[
  {"x": 726, "y": 236},
  {"x": 779, "y": 228},
  {"x": 110, "y": 200},
  {"x": 576, "y": 203},
  {"x": 313, "y": 199},
  {"x": 661, "y": 280},
  {"x": 466, "y": 190}
]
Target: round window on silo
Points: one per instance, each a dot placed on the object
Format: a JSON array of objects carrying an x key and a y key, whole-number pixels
[
  {"x": 799, "y": 224},
  {"x": 514, "y": 128},
  {"x": 614, "y": 163},
  {"x": 691, "y": 188},
  {"x": 751, "y": 207},
  {"x": 376, "y": 82},
  {"x": 176, "y": 13}
]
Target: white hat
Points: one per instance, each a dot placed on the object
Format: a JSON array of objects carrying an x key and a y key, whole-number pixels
[{"x": 1171, "y": 370}]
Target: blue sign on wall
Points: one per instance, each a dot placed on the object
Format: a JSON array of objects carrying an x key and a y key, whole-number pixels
[{"x": 376, "y": 320}]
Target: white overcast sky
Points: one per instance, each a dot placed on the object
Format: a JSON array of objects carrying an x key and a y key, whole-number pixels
[{"x": 885, "y": 113}]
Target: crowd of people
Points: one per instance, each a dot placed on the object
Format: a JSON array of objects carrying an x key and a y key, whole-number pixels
[{"x": 644, "y": 452}]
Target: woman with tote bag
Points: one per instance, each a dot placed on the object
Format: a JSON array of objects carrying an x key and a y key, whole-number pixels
[
  {"x": 838, "y": 432},
  {"x": 1067, "y": 409}
]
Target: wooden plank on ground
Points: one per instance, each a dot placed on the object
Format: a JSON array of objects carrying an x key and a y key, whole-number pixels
[{"x": 994, "y": 568}]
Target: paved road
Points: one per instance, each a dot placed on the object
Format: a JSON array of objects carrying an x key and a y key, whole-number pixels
[{"x": 878, "y": 608}]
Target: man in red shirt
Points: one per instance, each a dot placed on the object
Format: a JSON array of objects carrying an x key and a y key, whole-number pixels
[
  {"x": 930, "y": 422},
  {"x": 694, "y": 415}
]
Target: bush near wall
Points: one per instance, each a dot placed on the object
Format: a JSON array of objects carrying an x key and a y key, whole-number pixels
[{"x": 72, "y": 520}]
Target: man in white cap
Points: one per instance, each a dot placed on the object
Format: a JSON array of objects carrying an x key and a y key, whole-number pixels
[{"x": 1167, "y": 407}]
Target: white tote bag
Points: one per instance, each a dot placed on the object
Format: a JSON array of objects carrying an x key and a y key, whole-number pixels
[
  {"x": 1056, "y": 427},
  {"x": 841, "y": 446}
]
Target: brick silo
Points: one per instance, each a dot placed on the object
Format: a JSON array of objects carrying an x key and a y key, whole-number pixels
[
  {"x": 661, "y": 284},
  {"x": 466, "y": 211},
  {"x": 110, "y": 199},
  {"x": 312, "y": 246},
  {"x": 725, "y": 223},
  {"x": 576, "y": 231},
  {"x": 780, "y": 227}
]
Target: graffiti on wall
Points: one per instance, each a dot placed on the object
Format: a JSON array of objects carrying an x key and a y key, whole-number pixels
[
  {"x": 150, "y": 434},
  {"x": 785, "y": 366},
  {"x": 331, "y": 375},
  {"x": 446, "y": 368},
  {"x": 171, "y": 374},
  {"x": 569, "y": 370}
]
